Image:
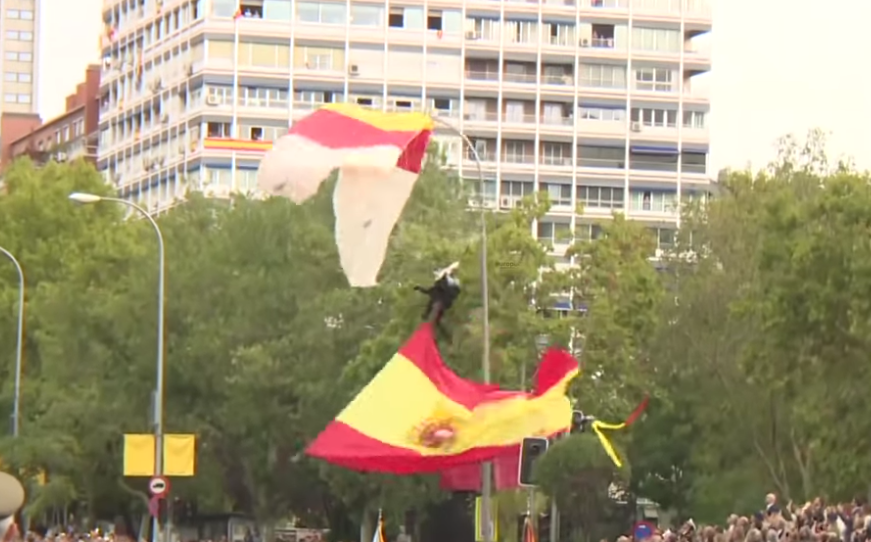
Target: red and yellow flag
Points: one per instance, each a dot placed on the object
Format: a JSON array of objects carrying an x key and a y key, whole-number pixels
[
  {"x": 417, "y": 415},
  {"x": 529, "y": 530}
]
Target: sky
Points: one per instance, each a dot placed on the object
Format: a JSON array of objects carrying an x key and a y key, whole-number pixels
[{"x": 780, "y": 67}]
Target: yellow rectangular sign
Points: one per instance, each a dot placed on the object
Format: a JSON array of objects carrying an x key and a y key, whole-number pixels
[{"x": 179, "y": 455}]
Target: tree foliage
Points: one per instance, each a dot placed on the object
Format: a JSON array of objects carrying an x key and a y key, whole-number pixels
[
  {"x": 762, "y": 361},
  {"x": 751, "y": 336},
  {"x": 265, "y": 340}
]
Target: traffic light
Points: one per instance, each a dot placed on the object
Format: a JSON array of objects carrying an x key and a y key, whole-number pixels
[{"x": 531, "y": 449}]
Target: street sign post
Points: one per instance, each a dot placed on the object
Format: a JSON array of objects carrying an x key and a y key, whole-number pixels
[{"x": 158, "y": 486}]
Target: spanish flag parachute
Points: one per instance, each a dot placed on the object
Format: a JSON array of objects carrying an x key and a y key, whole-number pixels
[
  {"x": 417, "y": 415},
  {"x": 378, "y": 157}
]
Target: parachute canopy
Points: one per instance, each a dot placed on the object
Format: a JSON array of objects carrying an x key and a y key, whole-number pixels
[{"x": 378, "y": 156}]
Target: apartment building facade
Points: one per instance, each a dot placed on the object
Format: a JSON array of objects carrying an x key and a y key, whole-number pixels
[
  {"x": 69, "y": 136},
  {"x": 593, "y": 101},
  {"x": 18, "y": 40}
]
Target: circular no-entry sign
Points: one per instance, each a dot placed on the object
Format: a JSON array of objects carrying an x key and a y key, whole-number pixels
[{"x": 158, "y": 486}]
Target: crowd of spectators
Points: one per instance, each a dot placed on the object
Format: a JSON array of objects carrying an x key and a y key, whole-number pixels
[{"x": 815, "y": 521}]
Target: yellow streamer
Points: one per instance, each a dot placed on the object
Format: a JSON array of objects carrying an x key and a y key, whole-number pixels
[{"x": 599, "y": 428}]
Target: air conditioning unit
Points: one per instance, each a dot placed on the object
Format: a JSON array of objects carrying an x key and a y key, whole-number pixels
[
  {"x": 107, "y": 63},
  {"x": 182, "y": 148},
  {"x": 506, "y": 202},
  {"x": 164, "y": 118},
  {"x": 635, "y": 126},
  {"x": 585, "y": 43},
  {"x": 354, "y": 69},
  {"x": 61, "y": 157},
  {"x": 472, "y": 35},
  {"x": 212, "y": 100},
  {"x": 189, "y": 69},
  {"x": 157, "y": 85},
  {"x": 146, "y": 164}
]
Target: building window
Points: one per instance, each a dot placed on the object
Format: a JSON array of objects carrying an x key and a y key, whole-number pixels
[
  {"x": 10, "y": 98},
  {"x": 601, "y": 157},
  {"x": 659, "y": 118},
  {"x": 554, "y": 232},
  {"x": 11, "y": 77},
  {"x": 25, "y": 57},
  {"x": 656, "y": 39},
  {"x": 27, "y": 14},
  {"x": 24, "y": 98},
  {"x": 218, "y": 129},
  {"x": 602, "y": 113},
  {"x": 558, "y": 194},
  {"x": 396, "y": 18},
  {"x": 654, "y": 79},
  {"x": 603, "y": 76},
  {"x": 600, "y": 197},
  {"x": 13, "y": 14},
  {"x": 654, "y": 201},
  {"x": 694, "y": 119},
  {"x": 321, "y": 12},
  {"x": 367, "y": 15}
]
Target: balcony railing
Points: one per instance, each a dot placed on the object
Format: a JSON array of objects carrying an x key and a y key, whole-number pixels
[
  {"x": 509, "y": 77},
  {"x": 556, "y": 160},
  {"x": 518, "y": 118},
  {"x": 561, "y": 80},
  {"x": 482, "y": 75},
  {"x": 515, "y": 158},
  {"x": 553, "y": 120},
  {"x": 482, "y": 117}
]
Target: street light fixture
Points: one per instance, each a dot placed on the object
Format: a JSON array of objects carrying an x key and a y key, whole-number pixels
[
  {"x": 19, "y": 347},
  {"x": 81, "y": 197}
]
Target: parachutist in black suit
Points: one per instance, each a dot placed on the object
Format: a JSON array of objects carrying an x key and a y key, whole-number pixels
[{"x": 442, "y": 294}]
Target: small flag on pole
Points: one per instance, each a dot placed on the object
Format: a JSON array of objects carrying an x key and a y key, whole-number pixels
[
  {"x": 528, "y": 530},
  {"x": 379, "y": 529}
]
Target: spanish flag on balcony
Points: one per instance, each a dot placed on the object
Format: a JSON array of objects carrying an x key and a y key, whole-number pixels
[
  {"x": 378, "y": 156},
  {"x": 417, "y": 415}
]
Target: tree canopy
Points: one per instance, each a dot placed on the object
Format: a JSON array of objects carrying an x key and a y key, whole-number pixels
[{"x": 751, "y": 336}]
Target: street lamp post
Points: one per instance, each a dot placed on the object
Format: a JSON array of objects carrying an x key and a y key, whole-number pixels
[
  {"x": 161, "y": 297},
  {"x": 19, "y": 344},
  {"x": 487, "y": 469}
]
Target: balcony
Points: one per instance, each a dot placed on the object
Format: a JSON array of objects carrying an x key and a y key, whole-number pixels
[
  {"x": 474, "y": 75},
  {"x": 520, "y": 77},
  {"x": 518, "y": 158}
]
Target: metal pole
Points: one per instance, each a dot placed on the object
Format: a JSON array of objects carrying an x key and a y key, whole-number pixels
[
  {"x": 19, "y": 346},
  {"x": 159, "y": 386},
  {"x": 487, "y": 469},
  {"x": 554, "y": 521}
]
